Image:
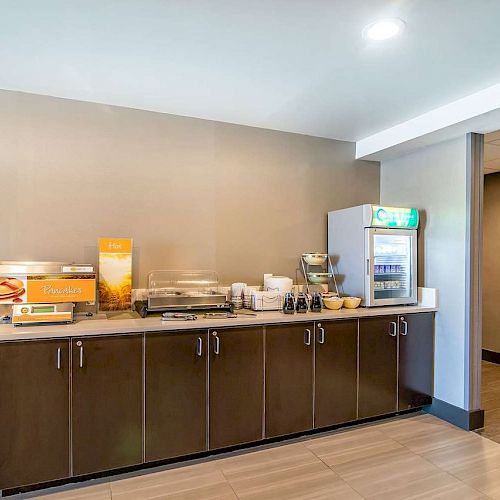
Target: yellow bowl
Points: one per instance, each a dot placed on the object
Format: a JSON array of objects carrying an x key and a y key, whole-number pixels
[
  {"x": 334, "y": 303},
  {"x": 352, "y": 302}
]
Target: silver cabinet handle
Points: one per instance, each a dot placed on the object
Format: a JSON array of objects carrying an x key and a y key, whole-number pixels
[
  {"x": 199, "y": 346},
  {"x": 405, "y": 324},
  {"x": 58, "y": 358},
  {"x": 307, "y": 336},
  {"x": 81, "y": 353},
  {"x": 367, "y": 267},
  {"x": 394, "y": 329},
  {"x": 321, "y": 339},
  {"x": 216, "y": 343}
]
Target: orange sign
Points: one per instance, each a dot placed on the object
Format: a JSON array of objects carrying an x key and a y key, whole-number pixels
[
  {"x": 47, "y": 291},
  {"x": 115, "y": 274},
  {"x": 115, "y": 245}
]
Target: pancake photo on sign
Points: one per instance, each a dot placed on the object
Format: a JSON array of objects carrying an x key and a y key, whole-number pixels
[{"x": 12, "y": 290}]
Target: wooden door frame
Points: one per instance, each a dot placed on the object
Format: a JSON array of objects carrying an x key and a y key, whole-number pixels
[{"x": 473, "y": 270}]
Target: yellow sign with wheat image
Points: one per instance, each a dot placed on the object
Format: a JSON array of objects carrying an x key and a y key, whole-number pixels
[{"x": 115, "y": 274}]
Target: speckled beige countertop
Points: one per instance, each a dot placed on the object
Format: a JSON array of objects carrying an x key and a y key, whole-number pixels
[{"x": 92, "y": 327}]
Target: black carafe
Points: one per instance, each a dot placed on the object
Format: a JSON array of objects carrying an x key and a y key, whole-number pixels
[
  {"x": 301, "y": 306},
  {"x": 316, "y": 303},
  {"x": 289, "y": 304}
]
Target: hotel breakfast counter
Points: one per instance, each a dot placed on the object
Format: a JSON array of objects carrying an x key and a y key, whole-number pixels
[
  {"x": 98, "y": 326},
  {"x": 177, "y": 390}
]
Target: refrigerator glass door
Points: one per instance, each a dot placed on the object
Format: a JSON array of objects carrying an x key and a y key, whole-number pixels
[{"x": 391, "y": 267}]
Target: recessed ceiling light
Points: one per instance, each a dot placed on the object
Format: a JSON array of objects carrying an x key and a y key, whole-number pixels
[{"x": 383, "y": 29}]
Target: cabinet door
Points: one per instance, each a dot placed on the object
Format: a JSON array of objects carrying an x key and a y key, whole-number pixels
[
  {"x": 107, "y": 402},
  {"x": 416, "y": 360},
  {"x": 176, "y": 394},
  {"x": 378, "y": 348},
  {"x": 336, "y": 369},
  {"x": 236, "y": 386},
  {"x": 34, "y": 412},
  {"x": 289, "y": 378}
]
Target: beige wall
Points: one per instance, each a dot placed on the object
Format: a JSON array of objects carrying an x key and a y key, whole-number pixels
[
  {"x": 491, "y": 263},
  {"x": 192, "y": 193}
]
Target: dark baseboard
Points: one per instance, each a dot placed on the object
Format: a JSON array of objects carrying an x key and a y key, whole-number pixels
[
  {"x": 468, "y": 420},
  {"x": 491, "y": 356}
]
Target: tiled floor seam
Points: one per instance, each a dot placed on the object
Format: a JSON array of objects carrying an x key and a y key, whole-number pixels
[
  {"x": 438, "y": 447},
  {"x": 230, "y": 485},
  {"x": 386, "y": 491},
  {"x": 338, "y": 475},
  {"x": 228, "y": 481},
  {"x": 439, "y": 470},
  {"x": 444, "y": 470}
]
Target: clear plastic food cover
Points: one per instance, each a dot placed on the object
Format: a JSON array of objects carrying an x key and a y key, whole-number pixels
[{"x": 188, "y": 283}]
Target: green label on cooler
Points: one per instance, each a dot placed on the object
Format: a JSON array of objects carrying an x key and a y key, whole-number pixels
[{"x": 394, "y": 217}]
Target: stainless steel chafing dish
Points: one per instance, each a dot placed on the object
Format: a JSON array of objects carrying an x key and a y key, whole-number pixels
[{"x": 182, "y": 291}]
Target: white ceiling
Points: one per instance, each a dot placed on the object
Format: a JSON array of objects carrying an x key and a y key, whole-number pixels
[
  {"x": 293, "y": 65},
  {"x": 492, "y": 153}
]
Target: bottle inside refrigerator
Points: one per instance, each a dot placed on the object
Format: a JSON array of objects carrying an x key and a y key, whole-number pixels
[{"x": 375, "y": 250}]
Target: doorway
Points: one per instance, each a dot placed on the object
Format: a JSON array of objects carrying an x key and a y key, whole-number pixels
[{"x": 490, "y": 364}]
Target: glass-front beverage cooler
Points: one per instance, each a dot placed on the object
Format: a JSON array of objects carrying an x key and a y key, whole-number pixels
[{"x": 375, "y": 251}]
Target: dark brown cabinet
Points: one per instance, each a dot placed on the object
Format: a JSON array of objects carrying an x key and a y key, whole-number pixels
[
  {"x": 289, "y": 378},
  {"x": 106, "y": 402},
  {"x": 176, "y": 394},
  {"x": 34, "y": 412},
  {"x": 416, "y": 360},
  {"x": 378, "y": 361},
  {"x": 236, "y": 399},
  {"x": 336, "y": 369},
  {"x": 94, "y": 404}
]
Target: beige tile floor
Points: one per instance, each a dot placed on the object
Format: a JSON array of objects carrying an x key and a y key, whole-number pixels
[
  {"x": 417, "y": 457},
  {"x": 490, "y": 400}
]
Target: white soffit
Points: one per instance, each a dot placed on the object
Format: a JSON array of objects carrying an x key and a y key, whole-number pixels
[{"x": 479, "y": 112}]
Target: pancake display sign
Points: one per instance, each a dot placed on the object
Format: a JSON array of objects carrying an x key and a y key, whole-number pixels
[
  {"x": 54, "y": 288},
  {"x": 13, "y": 289},
  {"x": 47, "y": 289},
  {"x": 115, "y": 274}
]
